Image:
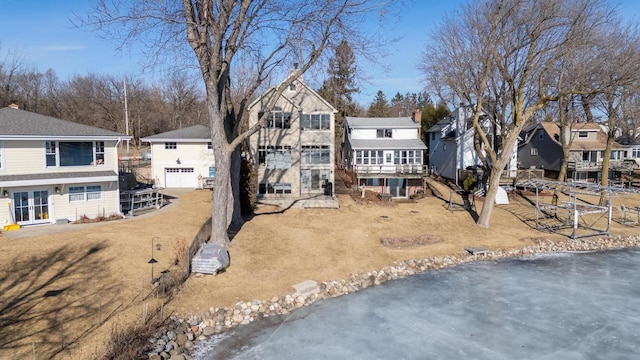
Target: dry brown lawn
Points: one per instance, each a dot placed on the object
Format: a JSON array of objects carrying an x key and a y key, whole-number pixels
[{"x": 56, "y": 288}]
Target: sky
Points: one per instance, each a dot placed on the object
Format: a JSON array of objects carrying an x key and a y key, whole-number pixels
[{"x": 41, "y": 34}]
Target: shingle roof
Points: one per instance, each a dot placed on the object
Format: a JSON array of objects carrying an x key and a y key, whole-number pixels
[
  {"x": 553, "y": 130},
  {"x": 196, "y": 132},
  {"x": 57, "y": 177},
  {"x": 20, "y": 123},
  {"x": 378, "y": 122},
  {"x": 388, "y": 144}
]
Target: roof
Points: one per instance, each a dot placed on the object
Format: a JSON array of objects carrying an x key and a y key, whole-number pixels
[
  {"x": 16, "y": 123},
  {"x": 196, "y": 133},
  {"x": 381, "y": 122},
  {"x": 553, "y": 130},
  {"x": 58, "y": 178},
  {"x": 298, "y": 81},
  {"x": 388, "y": 144},
  {"x": 440, "y": 125}
]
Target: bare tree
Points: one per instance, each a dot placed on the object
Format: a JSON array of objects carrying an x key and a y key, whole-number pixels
[
  {"x": 507, "y": 53},
  {"x": 272, "y": 34}
]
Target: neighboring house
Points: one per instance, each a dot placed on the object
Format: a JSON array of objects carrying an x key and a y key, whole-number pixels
[
  {"x": 451, "y": 145},
  {"x": 385, "y": 154},
  {"x": 294, "y": 150},
  {"x": 182, "y": 158},
  {"x": 541, "y": 148},
  {"x": 53, "y": 170}
]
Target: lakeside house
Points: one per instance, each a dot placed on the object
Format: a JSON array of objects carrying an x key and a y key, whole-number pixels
[
  {"x": 541, "y": 149},
  {"x": 294, "y": 151},
  {"x": 385, "y": 154},
  {"x": 53, "y": 170},
  {"x": 451, "y": 145}
]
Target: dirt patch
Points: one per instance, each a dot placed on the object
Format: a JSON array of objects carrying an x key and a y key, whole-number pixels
[{"x": 410, "y": 241}]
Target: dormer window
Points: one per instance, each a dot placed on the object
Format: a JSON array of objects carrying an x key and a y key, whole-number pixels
[{"x": 384, "y": 133}]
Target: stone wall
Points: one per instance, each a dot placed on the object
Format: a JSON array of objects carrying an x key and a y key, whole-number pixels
[{"x": 183, "y": 333}]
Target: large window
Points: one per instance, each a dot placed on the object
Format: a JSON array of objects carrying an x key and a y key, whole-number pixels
[
  {"x": 275, "y": 157},
  {"x": 407, "y": 157},
  {"x": 316, "y": 122},
  {"x": 78, "y": 153},
  {"x": 274, "y": 188},
  {"x": 369, "y": 157},
  {"x": 316, "y": 154},
  {"x": 80, "y": 193},
  {"x": 617, "y": 155},
  {"x": 635, "y": 152},
  {"x": 277, "y": 119},
  {"x": 314, "y": 179}
]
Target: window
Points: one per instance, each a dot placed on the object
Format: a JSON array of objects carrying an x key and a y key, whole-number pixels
[
  {"x": 79, "y": 153},
  {"x": 433, "y": 136},
  {"x": 292, "y": 87},
  {"x": 402, "y": 157},
  {"x": 384, "y": 133},
  {"x": 50, "y": 150},
  {"x": 94, "y": 192},
  {"x": 635, "y": 153},
  {"x": 170, "y": 145},
  {"x": 313, "y": 179},
  {"x": 315, "y": 154},
  {"x": 316, "y": 122},
  {"x": 277, "y": 119},
  {"x": 616, "y": 155},
  {"x": 583, "y": 134},
  {"x": 275, "y": 157},
  {"x": 540, "y": 136},
  {"x": 534, "y": 151},
  {"x": 77, "y": 193},
  {"x": 373, "y": 157},
  {"x": 212, "y": 171},
  {"x": 209, "y": 146},
  {"x": 372, "y": 182},
  {"x": 274, "y": 188},
  {"x": 99, "y": 152}
]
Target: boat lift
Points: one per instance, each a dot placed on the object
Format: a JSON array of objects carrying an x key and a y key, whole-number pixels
[{"x": 578, "y": 216}]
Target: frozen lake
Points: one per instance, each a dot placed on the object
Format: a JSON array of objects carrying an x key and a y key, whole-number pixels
[{"x": 552, "y": 306}]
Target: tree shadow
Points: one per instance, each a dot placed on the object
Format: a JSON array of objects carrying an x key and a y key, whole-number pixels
[{"x": 50, "y": 302}]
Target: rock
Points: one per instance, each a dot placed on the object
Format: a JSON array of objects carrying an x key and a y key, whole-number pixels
[
  {"x": 177, "y": 357},
  {"x": 208, "y": 331},
  {"x": 171, "y": 335},
  {"x": 188, "y": 345},
  {"x": 155, "y": 357},
  {"x": 181, "y": 339}
]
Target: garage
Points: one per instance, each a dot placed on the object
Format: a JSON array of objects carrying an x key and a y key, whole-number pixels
[{"x": 180, "y": 178}]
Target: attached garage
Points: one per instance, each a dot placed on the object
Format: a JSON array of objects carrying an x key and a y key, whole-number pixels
[{"x": 180, "y": 178}]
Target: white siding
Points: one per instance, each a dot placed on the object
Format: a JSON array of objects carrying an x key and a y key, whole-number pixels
[{"x": 194, "y": 155}]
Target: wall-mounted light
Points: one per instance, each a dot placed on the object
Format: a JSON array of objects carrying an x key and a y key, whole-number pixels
[
  {"x": 57, "y": 190},
  {"x": 5, "y": 193},
  {"x": 178, "y": 161}
]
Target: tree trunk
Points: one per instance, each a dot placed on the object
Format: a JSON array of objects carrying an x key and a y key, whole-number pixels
[
  {"x": 222, "y": 180},
  {"x": 604, "y": 178},
  {"x": 236, "y": 215}
]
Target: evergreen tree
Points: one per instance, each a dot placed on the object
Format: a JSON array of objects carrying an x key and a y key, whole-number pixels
[
  {"x": 379, "y": 107},
  {"x": 339, "y": 86}
]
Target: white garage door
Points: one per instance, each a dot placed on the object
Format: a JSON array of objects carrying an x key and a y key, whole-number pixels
[{"x": 179, "y": 178}]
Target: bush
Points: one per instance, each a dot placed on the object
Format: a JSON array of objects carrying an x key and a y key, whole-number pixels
[{"x": 132, "y": 343}]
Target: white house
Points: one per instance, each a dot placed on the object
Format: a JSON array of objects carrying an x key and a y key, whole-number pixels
[
  {"x": 451, "y": 144},
  {"x": 294, "y": 151},
  {"x": 52, "y": 170},
  {"x": 182, "y": 158},
  {"x": 385, "y": 154}
]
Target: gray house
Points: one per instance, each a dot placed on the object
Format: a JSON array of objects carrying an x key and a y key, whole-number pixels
[{"x": 541, "y": 149}]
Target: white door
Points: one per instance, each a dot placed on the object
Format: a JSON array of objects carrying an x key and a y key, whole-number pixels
[
  {"x": 31, "y": 207},
  {"x": 180, "y": 178}
]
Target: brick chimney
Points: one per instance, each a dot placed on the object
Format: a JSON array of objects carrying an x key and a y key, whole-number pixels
[
  {"x": 14, "y": 104},
  {"x": 417, "y": 116}
]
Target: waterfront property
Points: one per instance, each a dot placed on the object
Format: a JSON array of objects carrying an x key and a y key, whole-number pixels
[
  {"x": 52, "y": 170},
  {"x": 294, "y": 150},
  {"x": 385, "y": 154}
]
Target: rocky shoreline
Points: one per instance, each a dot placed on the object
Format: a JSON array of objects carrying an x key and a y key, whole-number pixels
[{"x": 179, "y": 338}]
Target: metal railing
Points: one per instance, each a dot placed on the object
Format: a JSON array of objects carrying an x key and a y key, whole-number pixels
[{"x": 409, "y": 169}]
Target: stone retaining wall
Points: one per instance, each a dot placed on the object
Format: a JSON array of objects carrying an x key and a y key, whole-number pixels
[{"x": 177, "y": 342}]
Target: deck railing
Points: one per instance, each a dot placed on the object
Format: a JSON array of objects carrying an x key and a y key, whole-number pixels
[{"x": 409, "y": 169}]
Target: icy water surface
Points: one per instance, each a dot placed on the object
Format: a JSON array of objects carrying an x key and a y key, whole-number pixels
[{"x": 553, "y": 306}]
